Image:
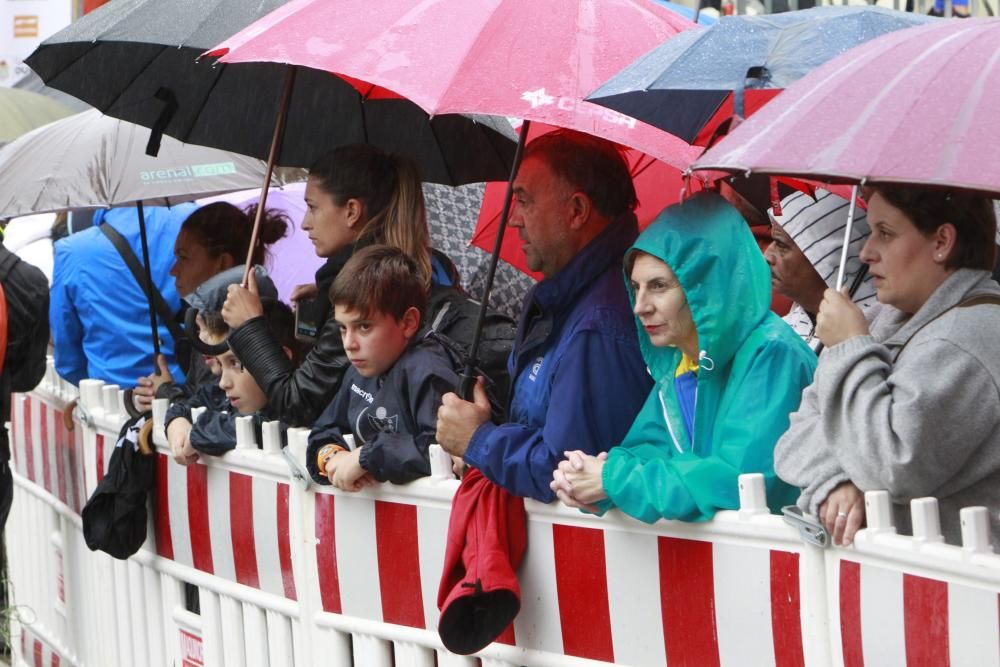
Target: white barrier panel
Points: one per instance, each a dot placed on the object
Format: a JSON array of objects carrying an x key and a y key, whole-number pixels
[{"x": 287, "y": 576}]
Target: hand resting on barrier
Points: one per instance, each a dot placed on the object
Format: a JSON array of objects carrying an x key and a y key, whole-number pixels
[
  {"x": 344, "y": 471},
  {"x": 147, "y": 386},
  {"x": 179, "y": 438},
  {"x": 843, "y": 513},
  {"x": 577, "y": 480}
]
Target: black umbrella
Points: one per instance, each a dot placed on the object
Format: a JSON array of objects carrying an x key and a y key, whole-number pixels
[{"x": 138, "y": 60}]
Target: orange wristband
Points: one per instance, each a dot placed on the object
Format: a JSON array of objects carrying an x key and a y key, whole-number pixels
[{"x": 324, "y": 454}]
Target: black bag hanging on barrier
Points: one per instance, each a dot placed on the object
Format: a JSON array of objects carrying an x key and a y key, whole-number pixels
[{"x": 114, "y": 519}]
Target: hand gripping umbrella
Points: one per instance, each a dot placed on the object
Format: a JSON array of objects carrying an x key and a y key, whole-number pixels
[
  {"x": 516, "y": 58},
  {"x": 89, "y": 160}
]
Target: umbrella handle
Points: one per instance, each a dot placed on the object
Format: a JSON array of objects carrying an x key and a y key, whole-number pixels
[
  {"x": 848, "y": 229},
  {"x": 279, "y": 129},
  {"x": 191, "y": 328},
  {"x": 467, "y": 381}
]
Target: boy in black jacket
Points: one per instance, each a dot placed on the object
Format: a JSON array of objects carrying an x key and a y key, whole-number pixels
[
  {"x": 390, "y": 395},
  {"x": 236, "y": 393}
]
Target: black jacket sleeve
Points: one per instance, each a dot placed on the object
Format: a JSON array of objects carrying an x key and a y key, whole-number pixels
[
  {"x": 214, "y": 433},
  {"x": 402, "y": 456},
  {"x": 298, "y": 395},
  {"x": 208, "y": 396}
]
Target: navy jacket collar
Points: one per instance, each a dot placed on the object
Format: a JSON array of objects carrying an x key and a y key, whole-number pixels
[{"x": 608, "y": 249}]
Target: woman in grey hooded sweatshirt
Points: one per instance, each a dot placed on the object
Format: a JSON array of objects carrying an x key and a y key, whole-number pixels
[{"x": 912, "y": 404}]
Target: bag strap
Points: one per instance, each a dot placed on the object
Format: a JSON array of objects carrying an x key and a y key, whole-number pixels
[{"x": 151, "y": 292}]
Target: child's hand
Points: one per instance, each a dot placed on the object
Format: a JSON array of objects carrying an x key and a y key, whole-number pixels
[
  {"x": 179, "y": 438},
  {"x": 348, "y": 475}
]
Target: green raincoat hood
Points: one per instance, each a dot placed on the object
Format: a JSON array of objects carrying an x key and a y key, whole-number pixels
[
  {"x": 722, "y": 271},
  {"x": 755, "y": 378}
]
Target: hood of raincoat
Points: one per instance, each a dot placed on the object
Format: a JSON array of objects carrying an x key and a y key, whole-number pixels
[{"x": 709, "y": 247}]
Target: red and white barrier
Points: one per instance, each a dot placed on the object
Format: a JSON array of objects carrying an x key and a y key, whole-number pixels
[{"x": 290, "y": 576}]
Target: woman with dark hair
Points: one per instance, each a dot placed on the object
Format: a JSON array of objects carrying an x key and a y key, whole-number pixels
[
  {"x": 210, "y": 249},
  {"x": 910, "y": 405},
  {"x": 355, "y": 196}
]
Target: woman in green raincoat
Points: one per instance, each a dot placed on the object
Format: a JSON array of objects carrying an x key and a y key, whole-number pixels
[{"x": 728, "y": 373}]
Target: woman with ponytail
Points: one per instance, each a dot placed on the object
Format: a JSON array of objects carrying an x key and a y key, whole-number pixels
[{"x": 356, "y": 196}]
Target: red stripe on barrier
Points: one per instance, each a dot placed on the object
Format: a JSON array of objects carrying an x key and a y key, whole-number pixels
[
  {"x": 326, "y": 553},
  {"x": 786, "y": 619},
  {"x": 850, "y": 613},
  {"x": 582, "y": 586},
  {"x": 62, "y": 458},
  {"x": 43, "y": 435},
  {"x": 201, "y": 541},
  {"x": 55, "y": 660},
  {"x": 399, "y": 564},
  {"x": 285, "y": 544},
  {"x": 241, "y": 527},
  {"x": 687, "y": 599},
  {"x": 100, "y": 458},
  {"x": 161, "y": 508},
  {"x": 925, "y": 621},
  {"x": 36, "y": 651},
  {"x": 29, "y": 450}
]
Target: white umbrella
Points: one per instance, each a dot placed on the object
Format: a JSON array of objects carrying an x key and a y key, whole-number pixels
[{"x": 89, "y": 160}]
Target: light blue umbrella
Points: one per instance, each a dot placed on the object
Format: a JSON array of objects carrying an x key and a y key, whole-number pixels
[{"x": 679, "y": 85}]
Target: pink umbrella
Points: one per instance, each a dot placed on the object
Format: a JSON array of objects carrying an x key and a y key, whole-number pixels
[
  {"x": 523, "y": 58},
  {"x": 920, "y": 106},
  {"x": 520, "y": 58}
]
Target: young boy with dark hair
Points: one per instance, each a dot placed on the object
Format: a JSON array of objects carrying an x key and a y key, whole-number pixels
[
  {"x": 390, "y": 395},
  {"x": 235, "y": 395}
]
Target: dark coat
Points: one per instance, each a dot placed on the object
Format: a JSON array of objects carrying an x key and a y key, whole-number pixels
[
  {"x": 392, "y": 417},
  {"x": 27, "y": 293}
]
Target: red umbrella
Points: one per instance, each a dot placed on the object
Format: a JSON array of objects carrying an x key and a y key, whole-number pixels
[
  {"x": 920, "y": 106},
  {"x": 657, "y": 184},
  {"x": 519, "y": 58},
  {"x": 522, "y": 58}
]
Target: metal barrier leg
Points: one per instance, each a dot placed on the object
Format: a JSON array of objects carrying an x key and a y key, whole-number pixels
[
  {"x": 154, "y": 617},
  {"x": 334, "y": 648},
  {"x": 233, "y": 645},
  {"x": 211, "y": 628},
  {"x": 280, "y": 649},
  {"x": 446, "y": 659},
  {"x": 372, "y": 651},
  {"x": 255, "y": 635},
  {"x": 119, "y": 576},
  {"x": 413, "y": 654}
]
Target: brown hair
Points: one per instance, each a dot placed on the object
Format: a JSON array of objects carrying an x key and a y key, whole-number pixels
[
  {"x": 590, "y": 165},
  {"x": 223, "y": 228},
  {"x": 278, "y": 318},
  {"x": 972, "y": 215},
  {"x": 379, "y": 279},
  {"x": 392, "y": 199}
]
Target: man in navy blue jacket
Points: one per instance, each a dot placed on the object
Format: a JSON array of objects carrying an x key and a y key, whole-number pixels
[{"x": 578, "y": 376}]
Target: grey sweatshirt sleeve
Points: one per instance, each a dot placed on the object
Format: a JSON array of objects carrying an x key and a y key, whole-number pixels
[
  {"x": 909, "y": 427},
  {"x": 803, "y": 457}
]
